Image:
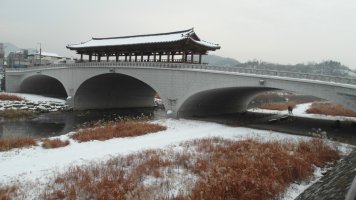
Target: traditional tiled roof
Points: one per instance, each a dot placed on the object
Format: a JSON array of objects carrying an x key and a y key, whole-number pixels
[{"x": 150, "y": 39}]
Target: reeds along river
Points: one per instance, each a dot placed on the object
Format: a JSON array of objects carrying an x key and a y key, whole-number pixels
[{"x": 58, "y": 123}]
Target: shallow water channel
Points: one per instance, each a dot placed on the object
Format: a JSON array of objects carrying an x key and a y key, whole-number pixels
[{"x": 59, "y": 123}]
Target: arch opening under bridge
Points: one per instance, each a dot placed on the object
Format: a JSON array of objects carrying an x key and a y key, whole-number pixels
[
  {"x": 113, "y": 90},
  {"x": 43, "y": 85}
]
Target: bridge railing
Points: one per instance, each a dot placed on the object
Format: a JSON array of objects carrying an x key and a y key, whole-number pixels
[{"x": 297, "y": 75}]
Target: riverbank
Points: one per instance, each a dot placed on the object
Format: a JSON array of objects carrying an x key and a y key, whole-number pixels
[
  {"x": 34, "y": 103},
  {"x": 336, "y": 128},
  {"x": 37, "y": 165},
  {"x": 335, "y": 184}
]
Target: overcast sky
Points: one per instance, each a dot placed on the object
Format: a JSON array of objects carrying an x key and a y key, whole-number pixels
[{"x": 279, "y": 31}]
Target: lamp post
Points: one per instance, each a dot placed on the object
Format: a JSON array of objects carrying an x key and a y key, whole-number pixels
[{"x": 40, "y": 52}]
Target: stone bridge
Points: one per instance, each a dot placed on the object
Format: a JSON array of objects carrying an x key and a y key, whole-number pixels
[{"x": 185, "y": 89}]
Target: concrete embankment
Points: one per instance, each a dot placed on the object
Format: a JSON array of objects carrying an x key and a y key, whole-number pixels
[{"x": 336, "y": 184}]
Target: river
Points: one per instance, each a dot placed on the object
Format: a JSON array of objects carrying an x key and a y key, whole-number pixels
[{"x": 59, "y": 123}]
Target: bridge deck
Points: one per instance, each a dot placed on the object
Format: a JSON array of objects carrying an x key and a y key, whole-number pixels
[{"x": 326, "y": 78}]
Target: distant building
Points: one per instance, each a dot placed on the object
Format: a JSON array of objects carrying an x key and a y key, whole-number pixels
[
  {"x": 18, "y": 59},
  {"x": 46, "y": 58},
  {"x": 22, "y": 59}
]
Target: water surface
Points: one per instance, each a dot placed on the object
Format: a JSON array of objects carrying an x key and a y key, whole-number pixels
[{"x": 59, "y": 123}]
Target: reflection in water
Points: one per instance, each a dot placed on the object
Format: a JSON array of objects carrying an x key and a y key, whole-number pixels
[
  {"x": 28, "y": 128},
  {"x": 341, "y": 131},
  {"x": 54, "y": 124}
]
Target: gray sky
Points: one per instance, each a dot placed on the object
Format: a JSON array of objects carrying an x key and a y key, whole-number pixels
[{"x": 279, "y": 31}]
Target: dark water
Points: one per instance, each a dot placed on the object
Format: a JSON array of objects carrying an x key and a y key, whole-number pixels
[
  {"x": 54, "y": 124},
  {"x": 342, "y": 131}
]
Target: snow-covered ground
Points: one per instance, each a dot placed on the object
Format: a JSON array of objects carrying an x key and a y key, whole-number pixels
[
  {"x": 38, "y": 165},
  {"x": 37, "y": 98},
  {"x": 300, "y": 111},
  {"x": 34, "y": 103}
]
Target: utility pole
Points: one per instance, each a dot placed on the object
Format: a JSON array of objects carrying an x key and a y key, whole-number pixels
[
  {"x": 40, "y": 53},
  {"x": 3, "y": 87}
]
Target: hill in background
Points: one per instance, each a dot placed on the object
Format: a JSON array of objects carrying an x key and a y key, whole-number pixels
[
  {"x": 330, "y": 68},
  {"x": 9, "y": 47},
  {"x": 219, "y": 61}
]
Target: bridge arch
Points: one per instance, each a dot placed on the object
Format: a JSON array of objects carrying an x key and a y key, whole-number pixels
[
  {"x": 230, "y": 96},
  {"x": 43, "y": 85},
  {"x": 113, "y": 90},
  {"x": 220, "y": 101}
]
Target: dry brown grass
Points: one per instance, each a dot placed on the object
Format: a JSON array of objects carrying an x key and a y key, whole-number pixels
[
  {"x": 16, "y": 142},
  {"x": 252, "y": 170},
  {"x": 277, "y": 106},
  {"x": 114, "y": 129},
  {"x": 9, "y": 97},
  {"x": 328, "y": 108},
  {"x": 6, "y": 192},
  {"x": 223, "y": 169},
  {"x": 54, "y": 143},
  {"x": 12, "y": 113}
]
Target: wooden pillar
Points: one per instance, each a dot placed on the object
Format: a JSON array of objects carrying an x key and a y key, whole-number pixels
[
  {"x": 90, "y": 57},
  {"x": 200, "y": 58},
  {"x": 192, "y": 61},
  {"x": 148, "y": 58},
  {"x": 130, "y": 57},
  {"x": 160, "y": 57},
  {"x": 173, "y": 56},
  {"x": 99, "y": 57},
  {"x": 81, "y": 57},
  {"x": 117, "y": 57},
  {"x": 135, "y": 57},
  {"x": 141, "y": 56},
  {"x": 125, "y": 57},
  {"x": 168, "y": 56},
  {"x": 107, "y": 58},
  {"x": 154, "y": 57}
]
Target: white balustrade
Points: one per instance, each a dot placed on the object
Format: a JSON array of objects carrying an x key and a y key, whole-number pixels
[{"x": 182, "y": 65}]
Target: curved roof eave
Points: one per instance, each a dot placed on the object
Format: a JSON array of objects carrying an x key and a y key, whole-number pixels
[{"x": 209, "y": 45}]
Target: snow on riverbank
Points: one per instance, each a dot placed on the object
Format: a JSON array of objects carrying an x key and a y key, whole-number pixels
[
  {"x": 300, "y": 111},
  {"x": 37, "y": 164},
  {"x": 34, "y": 103},
  {"x": 38, "y": 160},
  {"x": 38, "y": 98}
]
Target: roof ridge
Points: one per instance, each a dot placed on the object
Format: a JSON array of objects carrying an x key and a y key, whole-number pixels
[{"x": 155, "y": 34}]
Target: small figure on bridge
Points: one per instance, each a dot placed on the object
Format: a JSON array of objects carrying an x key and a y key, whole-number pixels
[{"x": 290, "y": 110}]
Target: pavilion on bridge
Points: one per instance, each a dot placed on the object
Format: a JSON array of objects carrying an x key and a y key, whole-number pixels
[{"x": 180, "y": 46}]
